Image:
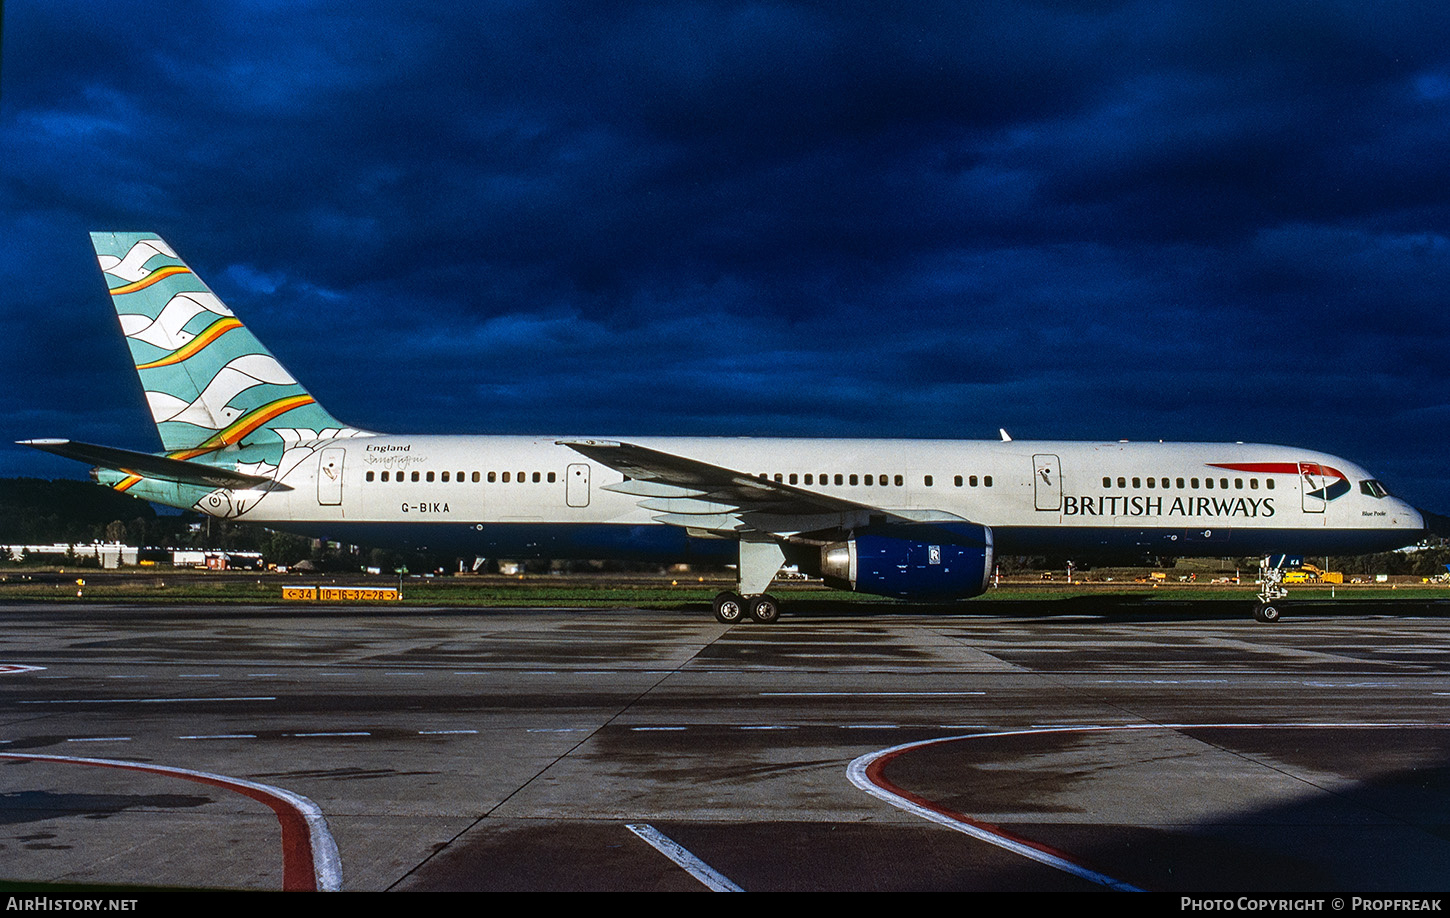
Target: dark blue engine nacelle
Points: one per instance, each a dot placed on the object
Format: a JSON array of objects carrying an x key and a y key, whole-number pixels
[{"x": 923, "y": 561}]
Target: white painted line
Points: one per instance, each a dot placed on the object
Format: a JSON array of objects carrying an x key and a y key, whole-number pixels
[
  {"x": 982, "y": 831},
  {"x": 356, "y": 733},
  {"x": 861, "y": 771},
  {"x": 766, "y": 727},
  {"x": 716, "y": 881},
  {"x": 643, "y": 729},
  {"x": 10, "y": 669},
  {"x": 147, "y": 700},
  {"x": 444, "y": 732},
  {"x": 222, "y": 736},
  {"x": 99, "y": 739},
  {"x": 307, "y": 844},
  {"x": 868, "y": 694},
  {"x": 198, "y": 675}
]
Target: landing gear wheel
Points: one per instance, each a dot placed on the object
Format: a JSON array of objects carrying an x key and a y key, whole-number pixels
[
  {"x": 729, "y": 608},
  {"x": 765, "y": 609},
  {"x": 1266, "y": 612}
]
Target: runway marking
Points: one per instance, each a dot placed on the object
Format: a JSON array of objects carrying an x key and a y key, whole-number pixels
[
  {"x": 310, "y": 861},
  {"x": 657, "y": 728},
  {"x": 145, "y": 700},
  {"x": 866, "y": 773},
  {"x": 716, "y": 881},
  {"x": 444, "y": 732},
  {"x": 222, "y": 736},
  {"x": 353, "y": 733},
  {"x": 99, "y": 739},
  {"x": 867, "y": 694},
  {"x": 10, "y": 669}
]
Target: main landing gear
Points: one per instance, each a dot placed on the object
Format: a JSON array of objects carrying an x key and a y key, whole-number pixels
[
  {"x": 759, "y": 563},
  {"x": 1272, "y": 592},
  {"x": 732, "y": 607}
]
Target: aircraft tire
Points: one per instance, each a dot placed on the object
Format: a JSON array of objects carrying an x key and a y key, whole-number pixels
[
  {"x": 729, "y": 608},
  {"x": 765, "y": 609},
  {"x": 1266, "y": 612}
]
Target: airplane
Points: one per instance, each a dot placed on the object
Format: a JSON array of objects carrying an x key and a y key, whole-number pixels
[{"x": 913, "y": 519}]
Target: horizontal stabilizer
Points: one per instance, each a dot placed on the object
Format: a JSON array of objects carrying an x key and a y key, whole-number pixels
[{"x": 152, "y": 466}]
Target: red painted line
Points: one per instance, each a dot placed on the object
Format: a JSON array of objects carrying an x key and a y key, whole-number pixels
[{"x": 305, "y": 867}]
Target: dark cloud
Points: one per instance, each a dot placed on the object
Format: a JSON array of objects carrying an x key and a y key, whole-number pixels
[{"x": 1116, "y": 219}]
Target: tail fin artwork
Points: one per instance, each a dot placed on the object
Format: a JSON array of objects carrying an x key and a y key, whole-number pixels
[
  {"x": 233, "y": 422},
  {"x": 209, "y": 382}
]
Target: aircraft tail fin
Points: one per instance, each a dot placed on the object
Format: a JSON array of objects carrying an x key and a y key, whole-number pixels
[{"x": 209, "y": 382}]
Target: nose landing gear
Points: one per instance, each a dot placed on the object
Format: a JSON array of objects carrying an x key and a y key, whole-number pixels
[{"x": 1272, "y": 591}]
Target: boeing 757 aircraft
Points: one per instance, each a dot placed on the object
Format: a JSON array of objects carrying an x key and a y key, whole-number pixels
[{"x": 915, "y": 519}]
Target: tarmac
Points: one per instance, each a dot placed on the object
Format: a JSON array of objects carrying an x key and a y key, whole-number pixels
[{"x": 1008, "y": 746}]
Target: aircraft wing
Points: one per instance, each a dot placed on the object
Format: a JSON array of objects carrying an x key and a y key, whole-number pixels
[
  {"x": 710, "y": 499},
  {"x": 151, "y": 466}
]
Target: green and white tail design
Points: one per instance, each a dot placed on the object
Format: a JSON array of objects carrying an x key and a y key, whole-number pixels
[
  {"x": 209, "y": 382},
  {"x": 216, "y": 394}
]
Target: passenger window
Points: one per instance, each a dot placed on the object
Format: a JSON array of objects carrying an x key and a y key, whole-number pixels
[
  {"x": 1223, "y": 483},
  {"x": 507, "y": 477},
  {"x": 810, "y": 479},
  {"x": 1122, "y": 482},
  {"x": 986, "y": 481},
  {"x": 551, "y": 478},
  {"x": 537, "y": 478},
  {"x": 1269, "y": 483},
  {"x": 792, "y": 478},
  {"x": 415, "y": 476},
  {"x": 1195, "y": 483},
  {"x": 853, "y": 479},
  {"x": 926, "y": 481},
  {"x": 1180, "y": 483},
  {"x": 867, "y": 480},
  {"x": 957, "y": 481},
  {"x": 1107, "y": 482},
  {"x": 1253, "y": 484},
  {"x": 1238, "y": 484},
  {"x": 899, "y": 481},
  {"x": 1208, "y": 482},
  {"x": 430, "y": 476},
  {"x": 838, "y": 478},
  {"x": 370, "y": 476},
  {"x": 445, "y": 476},
  {"x": 492, "y": 477},
  {"x": 972, "y": 481}
]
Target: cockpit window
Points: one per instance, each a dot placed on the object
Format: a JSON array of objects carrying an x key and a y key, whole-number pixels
[{"x": 1373, "y": 488}]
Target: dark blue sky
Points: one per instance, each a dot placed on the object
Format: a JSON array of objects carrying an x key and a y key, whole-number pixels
[{"x": 1101, "y": 220}]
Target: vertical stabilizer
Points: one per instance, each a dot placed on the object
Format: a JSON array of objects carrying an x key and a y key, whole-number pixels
[{"x": 209, "y": 382}]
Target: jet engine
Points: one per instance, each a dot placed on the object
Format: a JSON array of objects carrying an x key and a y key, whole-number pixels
[{"x": 920, "y": 561}]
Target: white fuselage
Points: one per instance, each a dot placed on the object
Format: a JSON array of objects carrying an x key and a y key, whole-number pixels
[{"x": 532, "y": 496}]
